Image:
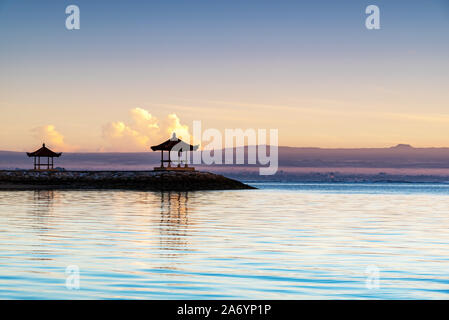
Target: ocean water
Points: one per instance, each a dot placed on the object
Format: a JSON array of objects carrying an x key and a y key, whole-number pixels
[{"x": 282, "y": 241}]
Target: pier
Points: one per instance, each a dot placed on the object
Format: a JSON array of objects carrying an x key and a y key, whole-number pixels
[{"x": 129, "y": 180}]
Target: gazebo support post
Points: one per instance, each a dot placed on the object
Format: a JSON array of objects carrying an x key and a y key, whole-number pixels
[{"x": 162, "y": 158}]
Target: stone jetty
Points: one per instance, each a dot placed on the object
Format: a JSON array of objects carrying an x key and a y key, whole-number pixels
[{"x": 131, "y": 180}]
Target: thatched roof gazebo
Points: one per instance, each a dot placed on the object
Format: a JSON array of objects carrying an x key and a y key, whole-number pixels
[
  {"x": 174, "y": 145},
  {"x": 43, "y": 152}
]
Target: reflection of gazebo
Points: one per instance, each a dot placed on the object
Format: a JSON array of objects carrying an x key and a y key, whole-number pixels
[
  {"x": 174, "y": 145},
  {"x": 43, "y": 152}
]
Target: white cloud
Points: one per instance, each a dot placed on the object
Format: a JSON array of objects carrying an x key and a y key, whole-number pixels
[
  {"x": 142, "y": 131},
  {"x": 52, "y": 138}
]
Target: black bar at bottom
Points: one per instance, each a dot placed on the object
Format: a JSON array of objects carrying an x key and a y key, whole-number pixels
[{"x": 228, "y": 309}]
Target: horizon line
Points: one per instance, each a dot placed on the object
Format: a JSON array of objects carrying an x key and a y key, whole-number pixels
[{"x": 398, "y": 146}]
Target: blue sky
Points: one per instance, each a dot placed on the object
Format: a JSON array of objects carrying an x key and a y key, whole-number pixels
[{"x": 214, "y": 60}]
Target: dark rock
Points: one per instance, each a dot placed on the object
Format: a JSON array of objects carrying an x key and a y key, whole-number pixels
[{"x": 133, "y": 180}]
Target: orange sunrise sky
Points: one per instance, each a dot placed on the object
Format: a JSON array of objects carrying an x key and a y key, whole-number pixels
[{"x": 132, "y": 75}]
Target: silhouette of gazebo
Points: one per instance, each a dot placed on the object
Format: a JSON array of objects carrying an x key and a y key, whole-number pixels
[
  {"x": 43, "y": 152},
  {"x": 174, "y": 145}
]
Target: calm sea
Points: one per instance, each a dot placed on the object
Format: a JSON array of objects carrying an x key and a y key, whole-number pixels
[{"x": 283, "y": 241}]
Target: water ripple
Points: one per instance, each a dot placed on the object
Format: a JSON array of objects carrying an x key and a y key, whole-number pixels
[{"x": 284, "y": 241}]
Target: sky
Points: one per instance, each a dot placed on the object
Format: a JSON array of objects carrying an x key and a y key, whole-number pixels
[{"x": 137, "y": 70}]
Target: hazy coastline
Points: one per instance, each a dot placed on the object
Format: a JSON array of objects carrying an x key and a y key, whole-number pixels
[{"x": 402, "y": 163}]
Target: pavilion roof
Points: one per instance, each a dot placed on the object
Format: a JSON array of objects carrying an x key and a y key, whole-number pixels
[
  {"x": 172, "y": 142},
  {"x": 44, "y": 152}
]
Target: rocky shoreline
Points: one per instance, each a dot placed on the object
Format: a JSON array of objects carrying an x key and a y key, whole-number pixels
[{"x": 130, "y": 180}]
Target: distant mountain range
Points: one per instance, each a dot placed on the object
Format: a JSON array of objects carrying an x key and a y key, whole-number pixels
[
  {"x": 400, "y": 156},
  {"x": 294, "y": 163}
]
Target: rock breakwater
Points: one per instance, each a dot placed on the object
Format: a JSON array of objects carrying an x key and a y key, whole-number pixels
[{"x": 134, "y": 180}]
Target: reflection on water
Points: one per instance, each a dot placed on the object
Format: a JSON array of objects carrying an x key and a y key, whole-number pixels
[
  {"x": 174, "y": 223},
  {"x": 282, "y": 241},
  {"x": 43, "y": 206}
]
